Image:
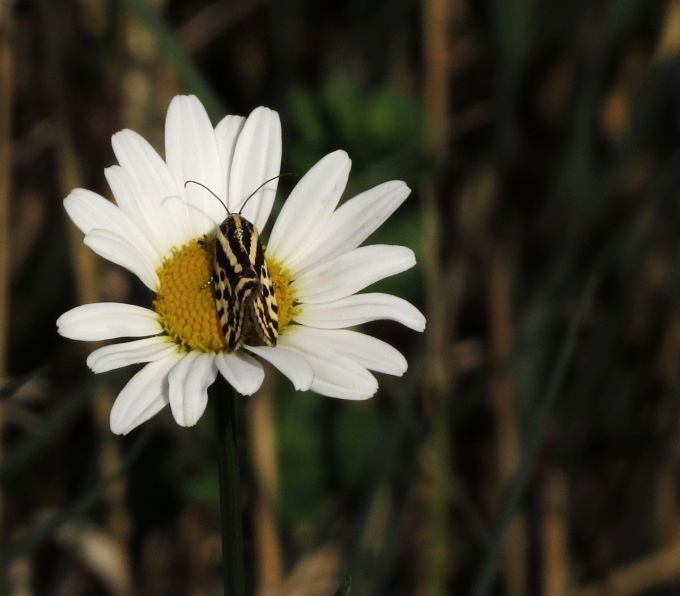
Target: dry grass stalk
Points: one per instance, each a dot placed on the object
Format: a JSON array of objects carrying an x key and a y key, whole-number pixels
[
  {"x": 263, "y": 450},
  {"x": 212, "y": 21},
  {"x": 554, "y": 534},
  {"x": 669, "y": 40},
  {"x": 6, "y": 100},
  {"x": 503, "y": 410},
  {"x": 652, "y": 572},
  {"x": 439, "y": 378},
  {"x": 102, "y": 555},
  {"x": 315, "y": 574},
  {"x": 437, "y": 20}
]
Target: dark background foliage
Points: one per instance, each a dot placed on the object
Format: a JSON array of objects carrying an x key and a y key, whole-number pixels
[{"x": 533, "y": 445}]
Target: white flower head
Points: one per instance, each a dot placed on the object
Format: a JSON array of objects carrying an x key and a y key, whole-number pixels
[{"x": 157, "y": 230}]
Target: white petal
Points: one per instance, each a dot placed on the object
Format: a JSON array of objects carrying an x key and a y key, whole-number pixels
[
  {"x": 139, "y": 209},
  {"x": 115, "y": 356},
  {"x": 227, "y": 133},
  {"x": 151, "y": 179},
  {"x": 90, "y": 211},
  {"x": 361, "y": 308},
  {"x": 192, "y": 154},
  {"x": 145, "y": 394},
  {"x": 290, "y": 363},
  {"x": 335, "y": 375},
  {"x": 354, "y": 221},
  {"x": 351, "y": 272},
  {"x": 364, "y": 349},
  {"x": 308, "y": 208},
  {"x": 242, "y": 372},
  {"x": 108, "y": 320},
  {"x": 189, "y": 382},
  {"x": 118, "y": 250},
  {"x": 335, "y": 381},
  {"x": 257, "y": 158}
]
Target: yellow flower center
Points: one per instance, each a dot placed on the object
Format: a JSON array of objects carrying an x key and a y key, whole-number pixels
[
  {"x": 186, "y": 304},
  {"x": 285, "y": 295}
]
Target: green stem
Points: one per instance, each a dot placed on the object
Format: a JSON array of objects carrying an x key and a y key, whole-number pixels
[{"x": 224, "y": 404}]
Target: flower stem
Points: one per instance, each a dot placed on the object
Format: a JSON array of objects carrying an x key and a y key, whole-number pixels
[{"x": 224, "y": 404}]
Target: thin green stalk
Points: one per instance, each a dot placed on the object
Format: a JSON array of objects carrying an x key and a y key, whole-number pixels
[
  {"x": 224, "y": 404},
  {"x": 484, "y": 581}
]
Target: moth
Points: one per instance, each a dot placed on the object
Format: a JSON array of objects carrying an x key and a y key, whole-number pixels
[{"x": 243, "y": 289}]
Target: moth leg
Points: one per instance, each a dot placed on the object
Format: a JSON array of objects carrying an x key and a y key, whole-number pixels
[{"x": 208, "y": 283}]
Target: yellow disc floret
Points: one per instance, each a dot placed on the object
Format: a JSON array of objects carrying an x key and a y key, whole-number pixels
[
  {"x": 185, "y": 301},
  {"x": 285, "y": 296}
]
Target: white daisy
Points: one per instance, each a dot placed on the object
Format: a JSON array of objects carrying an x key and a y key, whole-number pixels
[{"x": 157, "y": 232}]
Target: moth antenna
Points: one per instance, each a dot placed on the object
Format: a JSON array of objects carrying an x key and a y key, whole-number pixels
[
  {"x": 187, "y": 204},
  {"x": 252, "y": 194},
  {"x": 213, "y": 194}
]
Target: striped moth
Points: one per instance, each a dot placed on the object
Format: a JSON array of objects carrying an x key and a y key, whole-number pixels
[{"x": 244, "y": 293}]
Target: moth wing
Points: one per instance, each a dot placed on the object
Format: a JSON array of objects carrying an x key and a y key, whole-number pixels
[
  {"x": 265, "y": 327},
  {"x": 263, "y": 307},
  {"x": 237, "y": 326},
  {"x": 229, "y": 303},
  {"x": 244, "y": 293}
]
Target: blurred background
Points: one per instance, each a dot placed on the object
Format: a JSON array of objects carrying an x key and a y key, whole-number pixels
[{"x": 533, "y": 446}]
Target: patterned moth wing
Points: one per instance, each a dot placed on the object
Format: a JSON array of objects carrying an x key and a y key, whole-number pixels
[{"x": 244, "y": 293}]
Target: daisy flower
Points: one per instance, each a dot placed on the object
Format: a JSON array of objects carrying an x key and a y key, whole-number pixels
[{"x": 161, "y": 229}]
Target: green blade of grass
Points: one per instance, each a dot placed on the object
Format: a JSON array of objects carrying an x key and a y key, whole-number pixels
[
  {"x": 36, "y": 537},
  {"x": 11, "y": 387},
  {"x": 186, "y": 70},
  {"x": 519, "y": 484},
  {"x": 345, "y": 588},
  {"x": 20, "y": 456}
]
